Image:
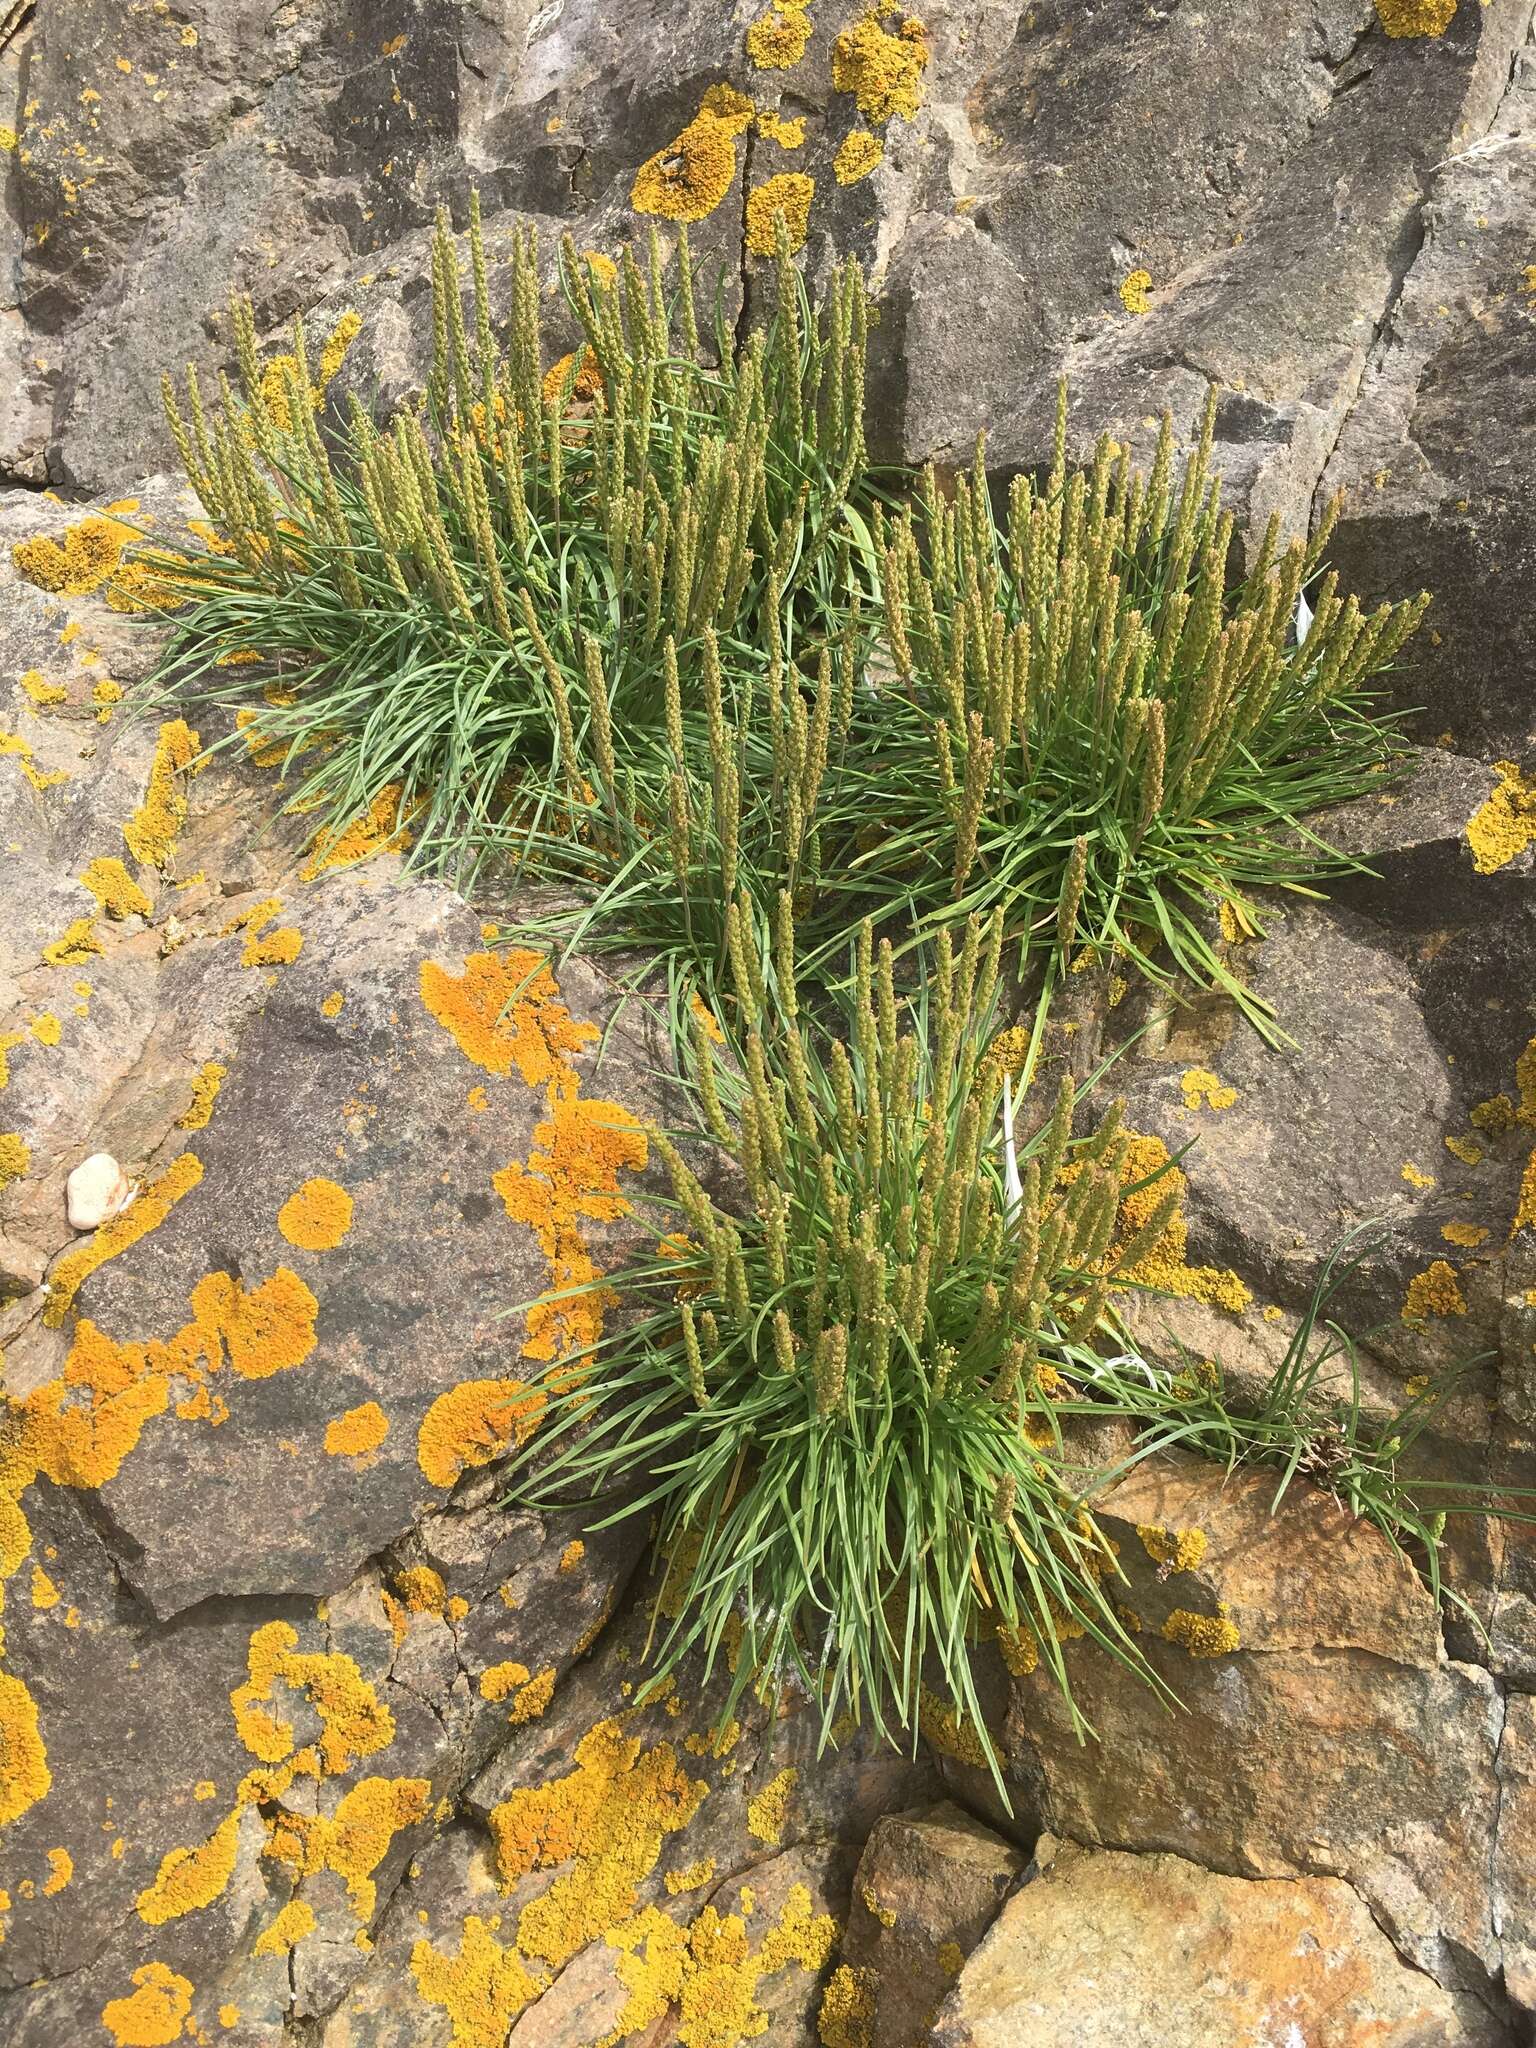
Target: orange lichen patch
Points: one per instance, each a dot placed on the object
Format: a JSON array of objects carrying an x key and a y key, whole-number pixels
[
  {"x": 24, "y": 1774},
  {"x": 1434, "y": 1292},
  {"x": 787, "y": 134},
  {"x": 357, "y": 1433},
  {"x": 847, "y": 2013},
  {"x": 482, "y": 1989},
  {"x": 289, "y": 1928},
  {"x": 1135, "y": 288},
  {"x": 61, "y": 1869},
  {"x": 280, "y": 374},
  {"x": 766, "y": 1813},
  {"x": 504, "y": 1011},
  {"x": 189, "y": 1879},
  {"x": 571, "y": 1175},
  {"x": 41, "y": 691},
  {"x": 1467, "y": 1150},
  {"x": 789, "y": 193},
  {"x": 1166, "y": 1267},
  {"x": 46, "y": 1028},
  {"x": 473, "y": 1424},
  {"x": 710, "y": 1972},
  {"x": 883, "y": 71},
  {"x": 1415, "y": 17},
  {"x": 1202, "y": 1088},
  {"x": 1202, "y": 1635},
  {"x": 331, "y": 1007},
  {"x": 152, "y": 830},
  {"x": 859, "y": 153},
  {"x": 1416, "y": 1177},
  {"x": 262, "y": 948},
  {"x": 502, "y": 1679},
  {"x": 205, "y": 1090},
  {"x": 776, "y": 40},
  {"x": 13, "y": 744},
  {"x": 117, "y": 894},
  {"x": 317, "y": 1216},
  {"x": 104, "y": 695},
  {"x": 229, "y": 2015},
  {"x": 1467, "y": 1235},
  {"x": 153, "y": 2015},
  {"x": 478, "y": 1100},
  {"x": 15, "y": 1158},
  {"x": 381, "y": 829},
  {"x": 422, "y": 1589},
  {"x": 946, "y": 1730},
  {"x": 688, "y": 178},
  {"x": 74, "y": 945},
  {"x": 530, "y": 1700},
  {"x": 1525, "y": 1211},
  {"x": 45, "y": 1593},
  {"x": 608, "y": 1818},
  {"x": 354, "y": 1721},
  {"x": 692, "y": 1877},
  {"x": 1495, "y": 1115},
  {"x": 1501, "y": 829},
  {"x": 1174, "y": 1550},
  {"x": 572, "y": 1554},
  {"x": 147, "y": 1213},
  {"x": 86, "y": 557},
  {"x": 355, "y": 1839},
  {"x": 586, "y": 384}
]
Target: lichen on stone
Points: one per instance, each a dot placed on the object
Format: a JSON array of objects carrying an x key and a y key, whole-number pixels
[
  {"x": 145, "y": 1214},
  {"x": 354, "y": 1721},
  {"x": 74, "y": 945},
  {"x": 687, "y": 179},
  {"x": 205, "y": 1091},
  {"x": 1203, "y": 1088},
  {"x": 15, "y": 1158},
  {"x": 768, "y": 1811},
  {"x": 859, "y": 153},
  {"x": 1134, "y": 290},
  {"x": 1166, "y": 1266},
  {"x": 847, "y": 2014},
  {"x": 80, "y": 562},
  {"x": 117, "y": 894},
  {"x": 154, "y": 2013},
  {"x": 1434, "y": 1292},
  {"x": 882, "y": 69},
  {"x": 1175, "y": 1550},
  {"x": 152, "y": 831},
  {"x": 189, "y": 1879},
  {"x": 776, "y": 41},
  {"x": 1202, "y": 1635},
  {"x": 358, "y": 1432},
  {"x": 317, "y": 1216},
  {"x": 296, "y": 1920},
  {"x": 789, "y": 193},
  {"x": 482, "y": 1989},
  {"x": 473, "y": 1424},
  {"x": 1501, "y": 829},
  {"x": 380, "y": 829},
  {"x": 1415, "y": 17},
  {"x": 504, "y": 1013}
]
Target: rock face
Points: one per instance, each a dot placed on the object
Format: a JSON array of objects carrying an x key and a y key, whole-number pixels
[
  {"x": 302, "y": 1736},
  {"x": 1116, "y": 1951}
]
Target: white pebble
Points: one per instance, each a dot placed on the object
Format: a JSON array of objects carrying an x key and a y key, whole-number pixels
[{"x": 96, "y": 1191}]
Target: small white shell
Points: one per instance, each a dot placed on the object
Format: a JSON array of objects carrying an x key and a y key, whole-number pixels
[{"x": 96, "y": 1191}]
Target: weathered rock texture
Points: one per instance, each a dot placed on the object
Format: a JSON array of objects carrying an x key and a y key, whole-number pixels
[{"x": 261, "y": 1604}]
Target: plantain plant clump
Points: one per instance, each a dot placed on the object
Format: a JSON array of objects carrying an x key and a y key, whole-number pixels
[{"x": 642, "y": 621}]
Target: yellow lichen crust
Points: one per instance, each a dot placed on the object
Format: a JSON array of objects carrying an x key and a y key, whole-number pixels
[
  {"x": 189, "y": 1879},
  {"x": 317, "y": 1216},
  {"x": 1202, "y": 1635},
  {"x": 354, "y": 1840},
  {"x": 289, "y": 1928},
  {"x": 1525, "y": 1209},
  {"x": 154, "y": 2013},
  {"x": 503, "y": 1012},
  {"x": 776, "y": 40},
  {"x": 74, "y": 945},
  {"x": 15, "y": 1158},
  {"x": 380, "y": 829},
  {"x": 147, "y": 1213},
  {"x": 859, "y": 153},
  {"x": 86, "y": 557},
  {"x": 1434, "y": 1292},
  {"x": 24, "y": 1774},
  {"x": 482, "y": 1989},
  {"x": 789, "y": 193},
  {"x": 502, "y": 1679},
  {"x": 151, "y": 832},
  {"x": 117, "y": 894},
  {"x": 710, "y": 1971},
  {"x": 354, "y": 1721},
  {"x": 357, "y": 1433},
  {"x": 766, "y": 1813},
  {"x": 1203, "y": 1088},
  {"x": 608, "y": 1819},
  {"x": 1175, "y": 1550},
  {"x": 1134, "y": 289},
  {"x": 473, "y": 1424},
  {"x": 1166, "y": 1266},
  {"x": 205, "y": 1091},
  {"x": 530, "y": 1700},
  {"x": 1502, "y": 828},
  {"x": 41, "y": 691},
  {"x": 882, "y": 69},
  {"x": 688, "y": 178},
  {"x": 61, "y": 1869},
  {"x": 847, "y": 2009},
  {"x": 692, "y": 1877},
  {"x": 1415, "y": 17}
]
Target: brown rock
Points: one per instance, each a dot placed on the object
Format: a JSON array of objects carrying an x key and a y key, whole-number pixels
[
  {"x": 1114, "y": 1951},
  {"x": 1514, "y": 1868},
  {"x": 929, "y": 1885}
]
